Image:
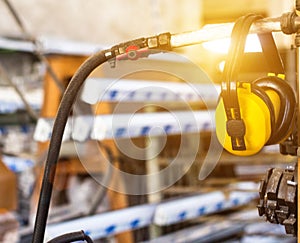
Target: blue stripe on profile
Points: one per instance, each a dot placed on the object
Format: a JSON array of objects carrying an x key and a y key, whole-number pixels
[
  {"x": 219, "y": 206},
  {"x": 182, "y": 215},
  {"x": 201, "y": 210},
  {"x": 235, "y": 201},
  {"x": 111, "y": 229},
  {"x": 113, "y": 94},
  {"x": 120, "y": 132},
  {"x": 145, "y": 130},
  {"x": 167, "y": 128},
  {"x": 134, "y": 223}
]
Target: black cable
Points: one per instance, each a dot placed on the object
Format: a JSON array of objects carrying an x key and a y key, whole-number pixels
[
  {"x": 231, "y": 52},
  {"x": 71, "y": 237},
  {"x": 160, "y": 42},
  {"x": 56, "y": 139},
  {"x": 238, "y": 41},
  {"x": 247, "y": 21}
]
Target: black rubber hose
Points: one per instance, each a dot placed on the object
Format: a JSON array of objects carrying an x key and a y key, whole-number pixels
[
  {"x": 56, "y": 139},
  {"x": 71, "y": 237}
]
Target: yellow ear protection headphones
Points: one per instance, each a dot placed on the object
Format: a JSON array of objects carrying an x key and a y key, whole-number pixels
[{"x": 250, "y": 115}]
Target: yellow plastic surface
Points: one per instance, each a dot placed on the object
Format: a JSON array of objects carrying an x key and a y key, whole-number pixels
[{"x": 256, "y": 116}]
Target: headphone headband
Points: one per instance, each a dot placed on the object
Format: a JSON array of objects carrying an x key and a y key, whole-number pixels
[{"x": 235, "y": 125}]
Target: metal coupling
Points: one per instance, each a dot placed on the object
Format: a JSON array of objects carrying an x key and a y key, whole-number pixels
[
  {"x": 288, "y": 23},
  {"x": 138, "y": 48},
  {"x": 297, "y": 5},
  {"x": 161, "y": 42}
]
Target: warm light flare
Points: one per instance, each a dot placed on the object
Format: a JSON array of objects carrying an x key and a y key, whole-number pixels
[{"x": 222, "y": 45}]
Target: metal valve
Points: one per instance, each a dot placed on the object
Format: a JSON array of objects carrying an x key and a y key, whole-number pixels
[{"x": 278, "y": 198}]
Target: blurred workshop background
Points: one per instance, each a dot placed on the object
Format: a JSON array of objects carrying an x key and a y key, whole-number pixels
[{"x": 142, "y": 130}]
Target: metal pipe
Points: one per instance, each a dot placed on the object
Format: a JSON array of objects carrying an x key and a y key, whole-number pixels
[{"x": 218, "y": 31}]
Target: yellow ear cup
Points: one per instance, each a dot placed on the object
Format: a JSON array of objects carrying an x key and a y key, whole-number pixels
[
  {"x": 256, "y": 116},
  {"x": 274, "y": 97}
]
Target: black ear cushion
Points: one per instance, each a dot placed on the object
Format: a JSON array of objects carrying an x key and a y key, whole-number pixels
[
  {"x": 258, "y": 91},
  {"x": 286, "y": 116}
]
